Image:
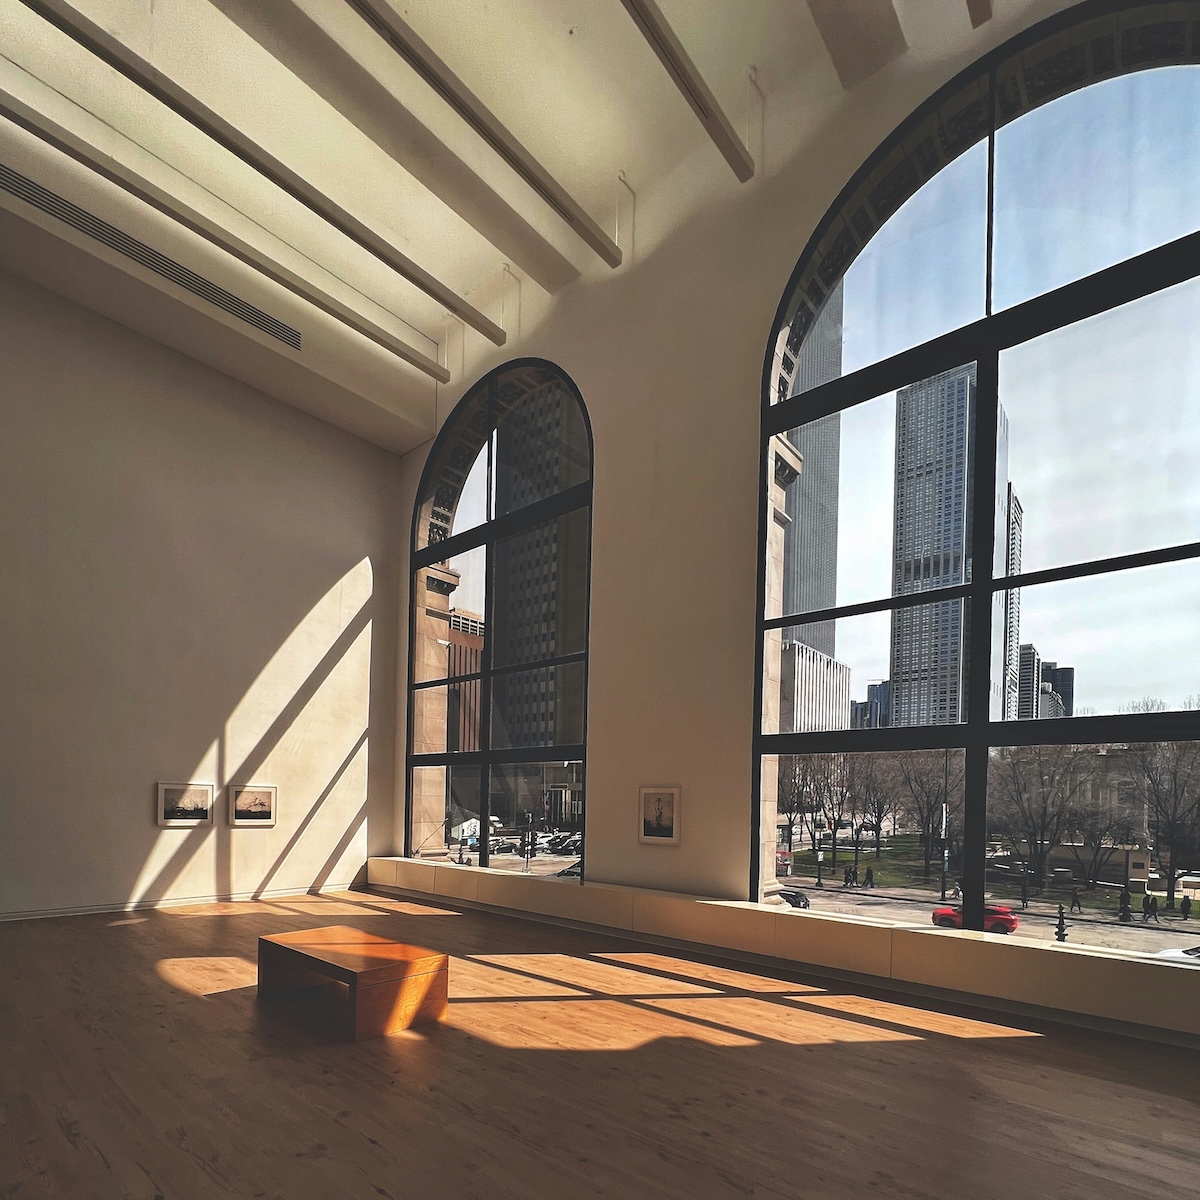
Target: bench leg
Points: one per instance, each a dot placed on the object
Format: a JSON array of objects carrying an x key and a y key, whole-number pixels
[{"x": 382, "y": 1008}]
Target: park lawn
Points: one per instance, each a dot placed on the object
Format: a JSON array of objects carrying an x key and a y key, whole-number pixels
[{"x": 901, "y": 863}]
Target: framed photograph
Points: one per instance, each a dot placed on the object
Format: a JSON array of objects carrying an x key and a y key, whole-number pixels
[
  {"x": 658, "y": 815},
  {"x": 252, "y": 805},
  {"x": 185, "y": 804}
]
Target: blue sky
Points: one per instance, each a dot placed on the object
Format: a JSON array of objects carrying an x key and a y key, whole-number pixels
[{"x": 1104, "y": 416}]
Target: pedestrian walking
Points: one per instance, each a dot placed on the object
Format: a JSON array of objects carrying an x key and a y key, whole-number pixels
[
  {"x": 1024, "y": 892},
  {"x": 869, "y": 880},
  {"x": 1154, "y": 909},
  {"x": 1076, "y": 902},
  {"x": 1185, "y": 905},
  {"x": 1145, "y": 907}
]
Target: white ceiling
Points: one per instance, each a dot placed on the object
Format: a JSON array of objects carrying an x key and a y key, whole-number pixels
[{"x": 574, "y": 81}]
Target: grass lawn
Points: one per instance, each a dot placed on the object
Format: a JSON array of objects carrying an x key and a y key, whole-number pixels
[{"x": 901, "y": 863}]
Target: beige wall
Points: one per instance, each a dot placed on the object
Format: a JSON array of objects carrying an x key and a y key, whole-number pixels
[{"x": 196, "y": 582}]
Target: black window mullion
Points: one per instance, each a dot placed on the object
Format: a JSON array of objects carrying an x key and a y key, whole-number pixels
[
  {"x": 991, "y": 189},
  {"x": 540, "y": 512},
  {"x": 1102, "y": 566},
  {"x": 489, "y": 624},
  {"x": 885, "y": 604},
  {"x": 540, "y": 664},
  {"x": 983, "y": 535}
]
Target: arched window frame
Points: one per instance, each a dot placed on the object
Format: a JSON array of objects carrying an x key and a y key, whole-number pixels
[
  {"x": 472, "y": 423},
  {"x": 1086, "y": 44}
]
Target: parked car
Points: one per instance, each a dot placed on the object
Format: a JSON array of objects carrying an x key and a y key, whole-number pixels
[
  {"x": 997, "y": 918},
  {"x": 1189, "y": 957},
  {"x": 793, "y": 898}
]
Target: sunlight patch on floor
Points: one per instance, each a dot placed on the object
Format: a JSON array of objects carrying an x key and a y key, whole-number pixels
[
  {"x": 914, "y": 1018},
  {"x": 207, "y": 976}
]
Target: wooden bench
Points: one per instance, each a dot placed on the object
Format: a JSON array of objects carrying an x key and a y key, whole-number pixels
[{"x": 392, "y": 985}]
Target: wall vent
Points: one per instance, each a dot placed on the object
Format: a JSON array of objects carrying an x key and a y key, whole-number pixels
[{"x": 79, "y": 218}]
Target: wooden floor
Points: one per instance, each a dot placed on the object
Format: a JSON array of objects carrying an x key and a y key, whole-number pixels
[{"x": 135, "y": 1062}]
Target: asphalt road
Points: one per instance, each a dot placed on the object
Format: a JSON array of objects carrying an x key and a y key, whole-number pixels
[{"x": 1038, "y": 922}]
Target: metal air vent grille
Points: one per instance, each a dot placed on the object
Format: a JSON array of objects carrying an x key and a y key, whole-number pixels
[{"x": 88, "y": 223}]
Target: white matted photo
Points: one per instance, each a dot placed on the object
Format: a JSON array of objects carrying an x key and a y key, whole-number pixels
[
  {"x": 658, "y": 815},
  {"x": 185, "y": 804},
  {"x": 252, "y": 805}
]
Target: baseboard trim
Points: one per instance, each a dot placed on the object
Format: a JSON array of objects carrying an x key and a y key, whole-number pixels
[
  {"x": 34, "y": 914},
  {"x": 1029, "y": 1014}
]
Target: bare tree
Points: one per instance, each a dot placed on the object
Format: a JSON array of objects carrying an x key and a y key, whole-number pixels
[
  {"x": 1168, "y": 780},
  {"x": 1106, "y": 817},
  {"x": 880, "y": 796},
  {"x": 791, "y": 794},
  {"x": 1032, "y": 797},
  {"x": 931, "y": 778}
]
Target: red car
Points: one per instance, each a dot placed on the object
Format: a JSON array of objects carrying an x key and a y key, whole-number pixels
[{"x": 997, "y": 918}]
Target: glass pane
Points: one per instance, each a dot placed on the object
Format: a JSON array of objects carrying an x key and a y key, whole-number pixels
[
  {"x": 875, "y": 501},
  {"x": 455, "y": 498},
  {"x": 1104, "y": 433},
  {"x": 876, "y": 835},
  {"x": 1123, "y": 642},
  {"x": 448, "y": 624},
  {"x": 1110, "y": 833},
  {"x": 539, "y": 708},
  {"x": 446, "y": 813},
  {"x": 905, "y": 667},
  {"x": 537, "y": 811},
  {"x": 541, "y": 440},
  {"x": 922, "y": 274},
  {"x": 446, "y": 718},
  {"x": 541, "y": 591},
  {"x": 1093, "y": 178}
]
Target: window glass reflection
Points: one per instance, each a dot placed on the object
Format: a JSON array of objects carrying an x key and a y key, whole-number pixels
[
  {"x": 1104, "y": 432},
  {"x": 1097, "y": 176},
  {"x": 539, "y": 708},
  {"x": 1110, "y": 833},
  {"x": 1109, "y": 644},
  {"x": 907, "y": 666},
  {"x": 876, "y": 835},
  {"x": 541, "y": 591}
]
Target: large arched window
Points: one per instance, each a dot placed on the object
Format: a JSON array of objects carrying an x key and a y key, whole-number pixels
[
  {"x": 498, "y": 630},
  {"x": 979, "y": 652}
]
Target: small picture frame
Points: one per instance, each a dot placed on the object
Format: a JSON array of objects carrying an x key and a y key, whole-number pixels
[
  {"x": 658, "y": 815},
  {"x": 184, "y": 805},
  {"x": 252, "y": 805}
]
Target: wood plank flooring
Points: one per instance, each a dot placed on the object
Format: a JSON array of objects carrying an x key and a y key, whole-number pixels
[{"x": 135, "y": 1062}]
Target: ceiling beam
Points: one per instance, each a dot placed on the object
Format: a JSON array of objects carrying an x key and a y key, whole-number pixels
[
  {"x": 980, "y": 12},
  {"x": 394, "y": 30},
  {"x": 862, "y": 36},
  {"x": 104, "y": 165},
  {"x": 135, "y": 68},
  {"x": 654, "y": 28}
]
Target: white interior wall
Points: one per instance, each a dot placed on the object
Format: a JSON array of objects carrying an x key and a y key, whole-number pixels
[{"x": 197, "y": 582}]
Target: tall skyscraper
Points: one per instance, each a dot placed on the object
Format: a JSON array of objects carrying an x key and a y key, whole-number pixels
[
  {"x": 875, "y": 711},
  {"x": 931, "y": 546},
  {"x": 1029, "y": 697},
  {"x": 540, "y": 576},
  {"x": 1062, "y": 681},
  {"x": 1012, "y": 608},
  {"x": 931, "y": 549},
  {"x": 810, "y": 538}
]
